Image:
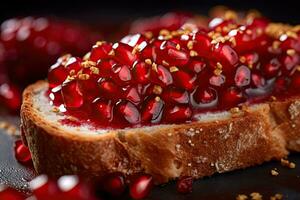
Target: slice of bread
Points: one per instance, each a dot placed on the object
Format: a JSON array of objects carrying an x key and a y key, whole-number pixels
[{"x": 217, "y": 142}]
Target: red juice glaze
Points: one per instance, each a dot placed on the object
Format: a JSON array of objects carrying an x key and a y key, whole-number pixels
[{"x": 171, "y": 77}]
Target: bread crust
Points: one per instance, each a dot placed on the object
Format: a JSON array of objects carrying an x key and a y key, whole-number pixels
[{"x": 249, "y": 137}]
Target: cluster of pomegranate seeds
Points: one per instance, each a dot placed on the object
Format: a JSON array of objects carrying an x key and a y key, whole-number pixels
[
  {"x": 72, "y": 187},
  {"x": 173, "y": 77},
  {"x": 29, "y": 45}
]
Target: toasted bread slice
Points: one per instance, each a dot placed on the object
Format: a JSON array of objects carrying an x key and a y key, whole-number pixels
[{"x": 217, "y": 142}]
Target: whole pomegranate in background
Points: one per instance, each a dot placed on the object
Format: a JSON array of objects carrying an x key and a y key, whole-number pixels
[{"x": 28, "y": 46}]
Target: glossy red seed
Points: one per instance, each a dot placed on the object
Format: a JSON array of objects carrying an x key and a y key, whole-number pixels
[
  {"x": 103, "y": 109},
  {"x": 196, "y": 66},
  {"x": 72, "y": 95},
  {"x": 71, "y": 187},
  {"x": 141, "y": 187},
  {"x": 105, "y": 68},
  {"x": 175, "y": 95},
  {"x": 100, "y": 51},
  {"x": 128, "y": 112},
  {"x": 134, "y": 40},
  {"x": 258, "y": 80},
  {"x": 289, "y": 62},
  {"x": 73, "y": 64},
  {"x": 121, "y": 74},
  {"x": 114, "y": 184},
  {"x": 152, "y": 110},
  {"x": 251, "y": 59},
  {"x": 204, "y": 97},
  {"x": 202, "y": 45},
  {"x": 217, "y": 80},
  {"x": 231, "y": 97},
  {"x": 290, "y": 43},
  {"x": 133, "y": 95},
  {"x": 22, "y": 152},
  {"x": 183, "y": 79},
  {"x": 271, "y": 68},
  {"x": 56, "y": 96},
  {"x": 43, "y": 188},
  {"x": 7, "y": 193},
  {"x": 141, "y": 73},
  {"x": 177, "y": 113},
  {"x": 226, "y": 56},
  {"x": 108, "y": 88},
  {"x": 124, "y": 54},
  {"x": 161, "y": 75},
  {"x": 176, "y": 57},
  {"x": 242, "y": 76},
  {"x": 184, "y": 184},
  {"x": 57, "y": 74}
]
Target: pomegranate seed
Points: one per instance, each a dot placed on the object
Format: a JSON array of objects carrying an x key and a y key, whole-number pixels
[
  {"x": 258, "y": 80},
  {"x": 43, "y": 188},
  {"x": 72, "y": 95},
  {"x": 290, "y": 43},
  {"x": 122, "y": 74},
  {"x": 55, "y": 95},
  {"x": 217, "y": 80},
  {"x": 22, "y": 152},
  {"x": 132, "y": 94},
  {"x": 271, "y": 68},
  {"x": 114, "y": 184},
  {"x": 204, "y": 97},
  {"x": 231, "y": 97},
  {"x": 202, "y": 45},
  {"x": 184, "y": 185},
  {"x": 74, "y": 63},
  {"x": 57, "y": 74},
  {"x": 124, "y": 54},
  {"x": 290, "y": 62},
  {"x": 175, "y": 95},
  {"x": 109, "y": 89},
  {"x": 184, "y": 79},
  {"x": 141, "y": 187},
  {"x": 176, "y": 57},
  {"x": 161, "y": 75},
  {"x": 141, "y": 73},
  {"x": 152, "y": 110},
  {"x": 7, "y": 193},
  {"x": 103, "y": 109},
  {"x": 100, "y": 51},
  {"x": 72, "y": 188},
  {"x": 196, "y": 66},
  {"x": 251, "y": 59},
  {"x": 105, "y": 68},
  {"x": 178, "y": 113},
  {"x": 128, "y": 112},
  {"x": 226, "y": 55},
  {"x": 242, "y": 76}
]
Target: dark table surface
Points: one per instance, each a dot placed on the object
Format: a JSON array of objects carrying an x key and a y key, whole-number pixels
[{"x": 220, "y": 186}]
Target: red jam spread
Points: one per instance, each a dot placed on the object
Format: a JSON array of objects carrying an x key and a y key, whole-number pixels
[{"x": 171, "y": 77}]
